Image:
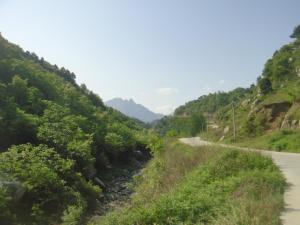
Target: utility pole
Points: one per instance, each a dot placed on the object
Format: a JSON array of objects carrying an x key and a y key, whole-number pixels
[{"x": 233, "y": 122}]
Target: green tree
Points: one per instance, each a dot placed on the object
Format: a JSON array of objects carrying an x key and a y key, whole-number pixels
[
  {"x": 115, "y": 142},
  {"x": 197, "y": 123},
  {"x": 125, "y": 133},
  {"x": 296, "y": 32},
  {"x": 39, "y": 170},
  {"x": 48, "y": 180},
  {"x": 61, "y": 130},
  {"x": 19, "y": 90},
  {"x": 265, "y": 85},
  {"x": 16, "y": 126}
]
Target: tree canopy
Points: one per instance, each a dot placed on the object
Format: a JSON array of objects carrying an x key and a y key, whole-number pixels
[{"x": 296, "y": 32}]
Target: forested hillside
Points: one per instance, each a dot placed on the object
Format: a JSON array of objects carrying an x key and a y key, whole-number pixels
[
  {"x": 55, "y": 138},
  {"x": 271, "y": 107},
  {"x": 212, "y": 102}
]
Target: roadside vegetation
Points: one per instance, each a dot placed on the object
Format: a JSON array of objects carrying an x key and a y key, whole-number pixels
[
  {"x": 204, "y": 185},
  {"x": 286, "y": 140},
  {"x": 174, "y": 126},
  {"x": 282, "y": 140}
]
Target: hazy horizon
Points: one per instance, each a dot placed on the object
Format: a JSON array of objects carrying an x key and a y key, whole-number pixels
[{"x": 161, "y": 54}]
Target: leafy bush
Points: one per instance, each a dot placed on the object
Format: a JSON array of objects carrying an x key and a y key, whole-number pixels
[
  {"x": 181, "y": 126},
  {"x": 49, "y": 182},
  {"x": 73, "y": 214},
  {"x": 265, "y": 85},
  {"x": 6, "y": 216},
  {"x": 253, "y": 126}
]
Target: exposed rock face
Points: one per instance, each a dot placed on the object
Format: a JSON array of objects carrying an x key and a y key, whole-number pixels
[
  {"x": 285, "y": 124},
  {"x": 290, "y": 124},
  {"x": 275, "y": 114},
  {"x": 246, "y": 102},
  {"x": 291, "y": 121},
  {"x": 253, "y": 108}
]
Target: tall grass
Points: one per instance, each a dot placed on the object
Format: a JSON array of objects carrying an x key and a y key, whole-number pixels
[
  {"x": 281, "y": 140},
  {"x": 255, "y": 203},
  {"x": 206, "y": 185},
  {"x": 169, "y": 168}
]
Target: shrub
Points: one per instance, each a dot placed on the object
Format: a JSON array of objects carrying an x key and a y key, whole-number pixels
[
  {"x": 49, "y": 182},
  {"x": 265, "y": 85}
]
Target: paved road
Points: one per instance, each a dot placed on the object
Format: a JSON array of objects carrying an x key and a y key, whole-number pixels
[{"x": 289, "y": 163}]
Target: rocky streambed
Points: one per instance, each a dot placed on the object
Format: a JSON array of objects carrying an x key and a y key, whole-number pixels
[
  {"x": 117, "y": 192},
  {"x": 117, "y": 185}
]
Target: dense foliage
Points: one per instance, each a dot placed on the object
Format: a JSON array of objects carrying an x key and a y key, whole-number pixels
[
  {"x": 39, "y": 184},
  {"x": 173, "y": 126},
  {"x": 212, "y": 102},
  {"x": 265, "y": 85},
  {"x": 55, "y": 136},
  {"x": 296, "y": 33}
]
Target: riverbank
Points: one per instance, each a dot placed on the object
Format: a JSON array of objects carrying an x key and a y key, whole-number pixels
[{"x": 196, "y": 185}]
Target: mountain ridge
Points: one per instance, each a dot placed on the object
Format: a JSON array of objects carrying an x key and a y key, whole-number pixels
[{"x": 133, "y": 109}]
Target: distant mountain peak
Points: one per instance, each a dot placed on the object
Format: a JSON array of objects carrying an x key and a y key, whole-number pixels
[{"x": 133, "y": 109}]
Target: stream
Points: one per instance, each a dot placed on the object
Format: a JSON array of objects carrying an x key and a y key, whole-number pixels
[{"x": 117, "y": 191}]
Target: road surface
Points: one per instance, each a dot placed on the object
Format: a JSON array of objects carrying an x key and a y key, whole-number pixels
[{"x": 289, "y": 163}]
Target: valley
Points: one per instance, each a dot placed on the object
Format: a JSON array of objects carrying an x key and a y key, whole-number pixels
[{"x": 69, "y": 158}]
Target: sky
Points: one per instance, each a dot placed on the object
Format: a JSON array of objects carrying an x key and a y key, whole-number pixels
[{"x": 161, "y": 53}]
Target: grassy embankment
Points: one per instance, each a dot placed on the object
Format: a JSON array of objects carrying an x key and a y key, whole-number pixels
[
  {"x": 205, "y": 185},
  {"x": 284, "y": 140},
  {"x": 280, "y": 140}
]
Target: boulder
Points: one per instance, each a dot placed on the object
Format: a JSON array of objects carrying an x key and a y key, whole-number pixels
[
  {"x": 100, "y": 182},
  {"x": 226, "y": 130},
  {"x": 222, "y": 138}
]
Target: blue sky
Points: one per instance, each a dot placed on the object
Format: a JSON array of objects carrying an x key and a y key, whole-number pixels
[{"x": 161, "y": 53}]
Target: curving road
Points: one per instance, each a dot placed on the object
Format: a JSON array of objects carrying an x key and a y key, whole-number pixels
[{"x": 289, "y": 163}]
